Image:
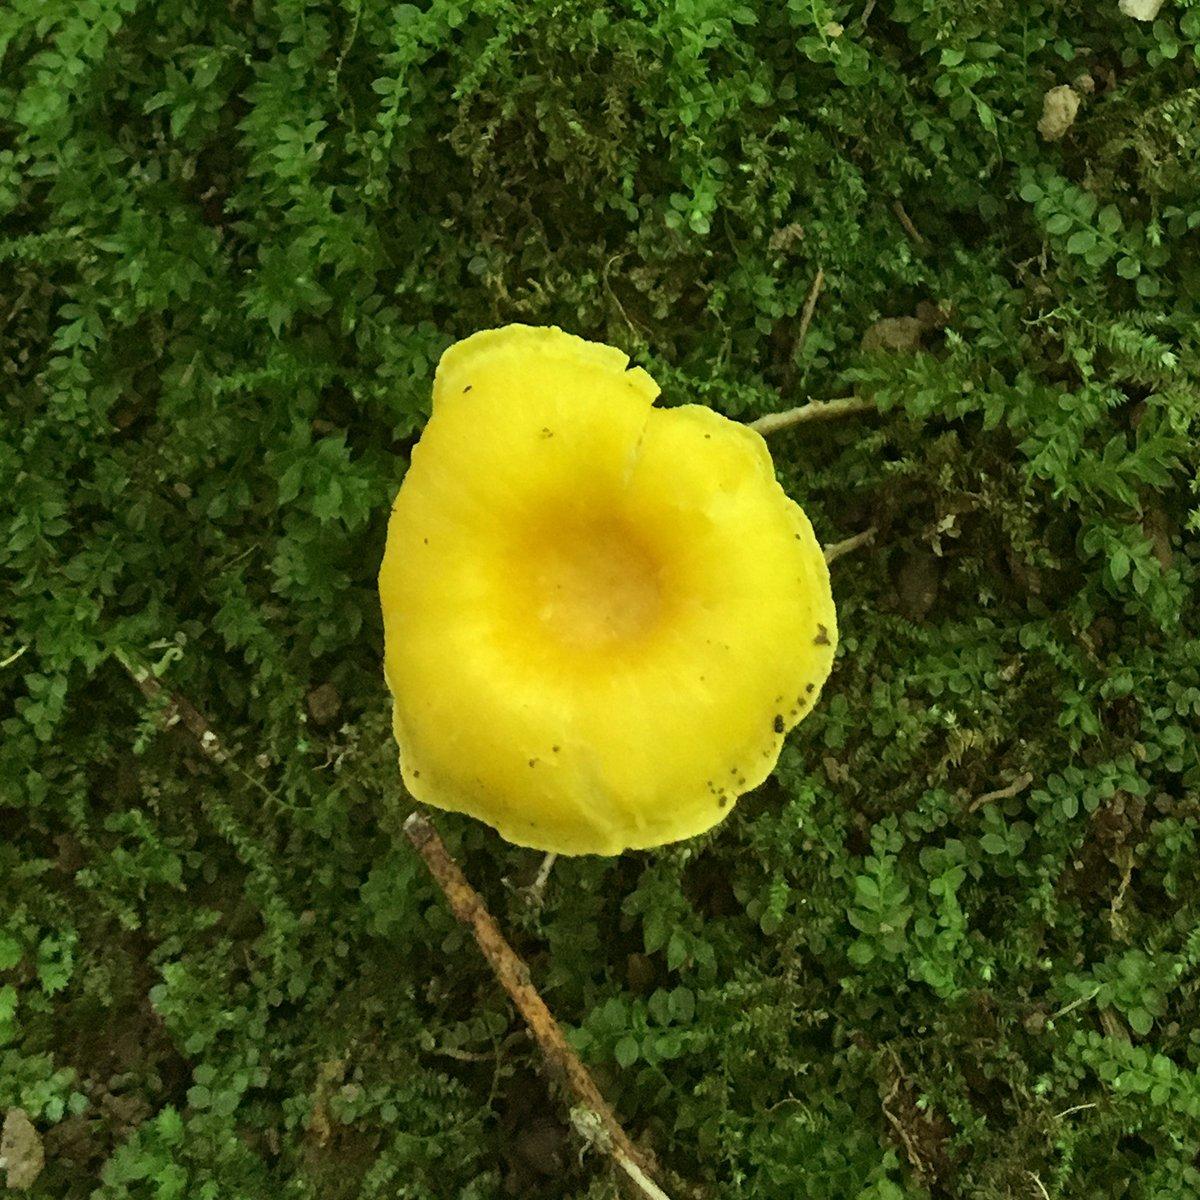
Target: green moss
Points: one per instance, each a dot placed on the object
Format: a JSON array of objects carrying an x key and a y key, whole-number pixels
[{"x": 953, "y": 946}]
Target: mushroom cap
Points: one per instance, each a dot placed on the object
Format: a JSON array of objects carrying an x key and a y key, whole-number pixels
[{"x": 600, "y": 617}]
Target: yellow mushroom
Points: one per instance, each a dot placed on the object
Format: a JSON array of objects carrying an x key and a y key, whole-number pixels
[{"x": 601, "y": 617}]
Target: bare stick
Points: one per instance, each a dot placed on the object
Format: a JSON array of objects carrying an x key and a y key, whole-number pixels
[
  {"x": 909, "y": 228},
  {"x": 175, "y": 708},
  {"x": 810, "y": 306},
  {"x": 513, "y": 974},
  {"x": 1040, "y": 1185},
  {"x": 537, "y": 889},
  {"x": 588, "y": 1126},
  {"x": 837, "y": 549},
  {"x": 1066, "y": 1112},
  {"x": 12, "y": 658},
  {"x": 1015, "y": 788},
  {"x": 814, "y": 410}
]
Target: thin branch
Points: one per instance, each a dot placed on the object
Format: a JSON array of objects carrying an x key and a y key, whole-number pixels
[
  {"x": 850, "y": 544},
  {"x": 814, "y": 410},
  {"x": 537, "y": 890},
  {"x": 171, "y": 708},
  {"x": 175, "y": 709},
  {"x": 810, "y": 306},
  {"x": 513, "y": 975},
  {"x": 462, "y": 1055},
  {"x": 639, "y": 1177},
  {"x": 1066, "y": 1112},
  {"x": 909, "y": 228},
  {"x": 590, "y": 1127},
  {"x": 1015, "y": 788},
  {"x": 1062, "y": 1012},
  {"x": 1040, "y": 1185},
  {"x": 12, "y": 658}
]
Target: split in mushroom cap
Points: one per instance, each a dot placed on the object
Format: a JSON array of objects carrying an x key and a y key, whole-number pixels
[{"x": 601, "y": 617}]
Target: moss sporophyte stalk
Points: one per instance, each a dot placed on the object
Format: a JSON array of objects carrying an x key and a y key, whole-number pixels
[{"x": 601, "y": 616}]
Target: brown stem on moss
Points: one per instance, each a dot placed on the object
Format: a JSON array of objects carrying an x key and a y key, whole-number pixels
[
  {"x": 810, "y": 306},
  {"x": 814, "y": 410},
  {"x": 906, "y": 221},
  {"x": 848, "y": 545},
  {"x": 173, "y": 709},
  {"x": 592, "y": 1117},
  {"x": 1015, "y": 788}
]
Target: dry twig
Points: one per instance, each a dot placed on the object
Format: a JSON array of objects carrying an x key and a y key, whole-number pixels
[
  {"x": 536, "y": 892},
  {"x": 175, "y": 708},
  {"x": 837, "y": 549},
  {"x": 909, "y": 228},
  {"x": 1040, "y": 1185},
  {"x": 12, "y": 658},
  {"x": 593, "y": 1117},
  {"x": 814, "y": 410},
  {"x": 810, "y": 306},
  {"x": 1066, "y": 1112},
  {"x": 1015, "y": 788}
]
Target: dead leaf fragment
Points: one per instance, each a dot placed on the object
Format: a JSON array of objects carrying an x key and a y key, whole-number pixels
[
  {"x": 1141, "y": 10},
  {"x": 21, "y": 1150},
  {"x": 324, "y": 703},
  {"x": 1059, "y": 108},
  {"x": 897, "y": 335}
]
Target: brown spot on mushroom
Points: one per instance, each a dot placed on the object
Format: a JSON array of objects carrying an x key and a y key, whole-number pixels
[
  {"x": 822, "y": 638},
  {"x": 722, "y": 800},
  {"x": 777, "y": 724},
  {"x": 810, "y": 687},
  {"x": 467, "y": 388},
  {"x": 533, "y": 762},
  {"x": 547, "y": 433},
  {"x": 555, "y": 749}
]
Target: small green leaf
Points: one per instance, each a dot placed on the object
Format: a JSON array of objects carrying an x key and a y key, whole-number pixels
[
  {"x": 10, "y": 952},
  {"x": 1140, "y": 1021},
  {"x": 626, "y": 1052},
  {"x": 861, "y": 952},
  {"x": 1081, "y": 241}
]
